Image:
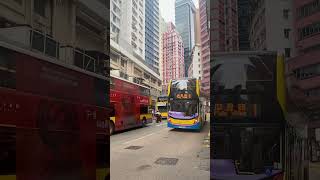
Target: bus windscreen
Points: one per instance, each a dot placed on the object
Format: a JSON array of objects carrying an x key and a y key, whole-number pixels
[{"x": 242, "y": 86}]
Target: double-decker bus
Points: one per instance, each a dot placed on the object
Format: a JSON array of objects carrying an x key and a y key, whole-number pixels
[
  {"x": 248, "y": 108},
  {"x": 185, "y": 107},
  {"x": 130, "y": 103},
  {"x": 162, "y": 106},
  {"x": 52, "y": 118}
]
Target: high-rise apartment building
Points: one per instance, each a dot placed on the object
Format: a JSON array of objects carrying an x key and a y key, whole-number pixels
[
  {"x": 173, "y": 52},
  {"x": 205, "y": 46},
  {"x": 162, "y": 29},
  {"x": 152, "y": 34},
  {"x": 194, "y": 70},
  {"x": 127, "y": 45},
  {"x": 132, "y": 25},
  {"x": 184, "y": 18},
  {"x": 115, "y": 19},
  {"x": 224, "y": 25},
  {"x": 304, "y": 68},
  {"x": 271, "y": 26},
  {"x": 197, "y": 27}
]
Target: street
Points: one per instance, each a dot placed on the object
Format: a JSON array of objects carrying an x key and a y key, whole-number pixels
[{"x": 190, "y": 157}]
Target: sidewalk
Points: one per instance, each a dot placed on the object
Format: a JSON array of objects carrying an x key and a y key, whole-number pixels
[{"x": 204, "y": 154}]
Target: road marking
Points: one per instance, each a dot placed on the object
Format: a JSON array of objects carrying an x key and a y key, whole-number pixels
[
  {"x": 143, "y": 136},
  {"x": 138, "y": 138},
  {"x": 161, "y": 124}
]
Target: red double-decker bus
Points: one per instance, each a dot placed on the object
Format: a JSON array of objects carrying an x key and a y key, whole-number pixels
[
  {"x": 52, "y": 119},
  {"x": 130, "y": 104}
]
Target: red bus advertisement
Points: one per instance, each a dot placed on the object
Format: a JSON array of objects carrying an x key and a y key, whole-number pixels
[
  {"x": 52, "y": 119},
  {"x": 130, "y": 104}
]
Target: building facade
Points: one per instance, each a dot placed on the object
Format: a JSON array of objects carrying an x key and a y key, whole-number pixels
[
  {"x": 162, "y": 29},
  {"x": 184, "y": 20},
  {"x": 195, "y": 68},
  {"x": 152, "y": 34},
  {"x": 243, "y": 24},
  {"x": 197, "y": 27},
  {"x": 132, "y": 25},
  {"x": 224, "y": 26},
  {"x": 127, "y": 57},
  {"x": 68, "y": 31},
  {"x": 205, "y": 46},
  {"x": 304, "y": 69},
  {"x": 173, "y": 52},
  {"x": 271, "y": 26}
]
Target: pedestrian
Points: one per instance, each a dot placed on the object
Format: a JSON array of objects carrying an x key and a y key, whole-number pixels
[{"x": 158, "y": 115}]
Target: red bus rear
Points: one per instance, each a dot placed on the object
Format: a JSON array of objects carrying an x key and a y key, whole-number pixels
[
  {"x": 130, "y": 103},
  {"x": 52, "y": 119}
]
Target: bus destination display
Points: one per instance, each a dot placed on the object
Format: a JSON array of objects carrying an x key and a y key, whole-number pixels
[
  {"x": 183, "y": 96},
  {"x": 236, "y": 110}
]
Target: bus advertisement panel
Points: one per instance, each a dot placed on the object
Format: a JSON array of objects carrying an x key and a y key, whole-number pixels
[
  {"x": 185, "y": 108},
  {"x": 130, "y": 103},
  {"x": 248, "y": 119},
  {"x": 162, "y": 106},
  {"x": 53, "y": 119}
]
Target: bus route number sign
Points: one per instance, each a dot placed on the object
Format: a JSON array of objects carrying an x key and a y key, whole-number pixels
[
  {"x": 183, "y": 96},
  {"x": 239, "y": 110}
]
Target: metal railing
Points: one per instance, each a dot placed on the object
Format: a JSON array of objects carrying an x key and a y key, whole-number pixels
[
  {"x": 42, "y": 43},
  {"x": 48, "y": 46}
]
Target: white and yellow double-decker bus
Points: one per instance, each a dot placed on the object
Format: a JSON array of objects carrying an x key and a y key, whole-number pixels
[
  {"x": 185, "y": 107},
  {"x": 162, "y": 106}
]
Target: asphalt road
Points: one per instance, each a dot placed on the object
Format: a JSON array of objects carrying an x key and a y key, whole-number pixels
[{"x": 190, "y": 156}]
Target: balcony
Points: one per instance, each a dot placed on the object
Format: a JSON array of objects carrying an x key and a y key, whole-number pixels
[
  {"x": 42, "y": 44},
  {"x": 27, "y": 38}
]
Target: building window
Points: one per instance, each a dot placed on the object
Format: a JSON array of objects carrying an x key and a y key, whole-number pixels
[
  {"x": 309, "y": 9},
  {"x": 286, "y": 13},
  {"x": 39, "y": 6},
  {"x": 307, "y": 72},
  {"x": 123, "y": 63},
  {"x": 309, "y": 30},
  {"x": 313, "y": 92},
  {"x": 286, "y": 33},
  {"x": 287, "y": 52}
]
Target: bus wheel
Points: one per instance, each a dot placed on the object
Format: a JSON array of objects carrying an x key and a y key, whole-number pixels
[{"x": 111, "y": 127}]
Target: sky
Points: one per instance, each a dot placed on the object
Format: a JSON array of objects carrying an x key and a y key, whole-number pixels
[{"x": 167, "y": 9}]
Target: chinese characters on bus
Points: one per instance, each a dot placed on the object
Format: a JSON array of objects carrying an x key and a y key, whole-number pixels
[
  {"x": 183, "y": 96},
  {"x": 235, "y": 110}
]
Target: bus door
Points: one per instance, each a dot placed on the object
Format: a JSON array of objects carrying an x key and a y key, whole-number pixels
[{"x": 144, "y": 113}]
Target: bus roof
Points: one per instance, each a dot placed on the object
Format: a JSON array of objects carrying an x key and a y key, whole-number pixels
[
  {"x": 129, "y": 81},
  {"x": 184, "y": 78},
  {"x": 49, "y": 59}
]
